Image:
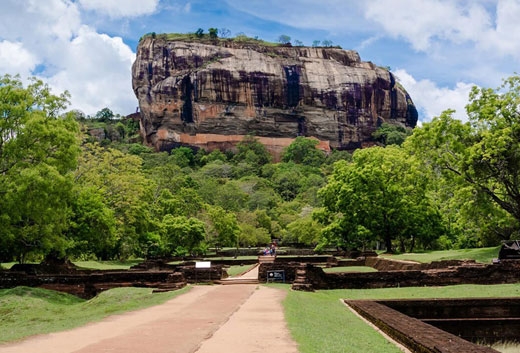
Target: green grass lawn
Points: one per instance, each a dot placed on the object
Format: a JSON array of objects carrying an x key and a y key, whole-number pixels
[
  {"x": 484, "y": 255},
  {"x": 28, "y": 311},
  {"x": 238, "y": 258},
  {"x": 107, "y": 265},
  {"x": 349, "y": 269},
  {"x": 320, "y": 322},
  {"x": 95, "y": 265},
  {"x": 236, "y": 270}
]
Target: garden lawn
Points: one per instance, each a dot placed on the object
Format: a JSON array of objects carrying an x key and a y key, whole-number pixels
[
  {"x": 484, "y": 255},
  {"x": 320, "y": 322},
  {"x": 107, "y": 265},
  {"x": 349, "y": 269},
  {"x": 28, "y": 311},
  {"x": 237, "y": 270}
]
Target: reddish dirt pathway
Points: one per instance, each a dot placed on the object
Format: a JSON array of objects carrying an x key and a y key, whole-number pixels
[{"x": 243, "y": 318}]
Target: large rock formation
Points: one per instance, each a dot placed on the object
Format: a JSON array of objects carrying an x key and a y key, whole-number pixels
[{"x": 212, "y": 95}]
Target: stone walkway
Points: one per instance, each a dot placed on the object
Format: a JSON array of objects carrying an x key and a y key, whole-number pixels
[{"x": 243, "y": 318}]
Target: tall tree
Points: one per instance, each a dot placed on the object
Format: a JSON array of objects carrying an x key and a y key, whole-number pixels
[
  {"x": 284, "y": 39},
  {"x": 303, "y": 151},
  {"x": 38, "y": 151},
  {"x": 222, "y": 227},
  {"x": 483, "y": 153},
  {"x": 213, "y": 33},
  {"x": 182, "y": 234},
  {"x": 382, "y": 195},
  {"x": 119, "y": 178}
]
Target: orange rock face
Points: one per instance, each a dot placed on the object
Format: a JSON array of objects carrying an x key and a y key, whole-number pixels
[{"x": 211, "y": 96}]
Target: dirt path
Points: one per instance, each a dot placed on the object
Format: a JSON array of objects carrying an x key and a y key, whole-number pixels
[{"x": 243, "y": 318}]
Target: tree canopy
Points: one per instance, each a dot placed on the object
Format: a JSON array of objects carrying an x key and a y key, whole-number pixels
[
  {"x": 380, "y": 195},
  {"x": 106, "y": 196},
  {"x": 38, "y": 153}
]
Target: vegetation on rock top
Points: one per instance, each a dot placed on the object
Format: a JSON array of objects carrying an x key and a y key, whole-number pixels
[{"x": 220, "y": 36}]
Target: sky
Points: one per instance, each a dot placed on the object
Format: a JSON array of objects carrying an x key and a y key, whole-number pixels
[{"x": 438, "y": 49}]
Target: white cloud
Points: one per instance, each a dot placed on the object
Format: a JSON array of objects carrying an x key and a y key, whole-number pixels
[
  {"x": 96, "y": 70},
  {"x": 503, "y": 39},
  {"x": 118, "y": 8},
  {"x": 431, "y": 100},
  {"x": 490, "y": 28},
  {"x": 422, "y": 21},
  {"x": 15, "y": 59}
]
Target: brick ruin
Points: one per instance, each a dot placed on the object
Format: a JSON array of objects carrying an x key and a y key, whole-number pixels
[
  {"x": 306, "y": 273},
  {"x": 88, "y": 283}
]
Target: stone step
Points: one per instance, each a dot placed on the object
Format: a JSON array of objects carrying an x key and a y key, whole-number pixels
[
  {"x": 168, "y": 287},
  {"x": 266, "y": 259}
]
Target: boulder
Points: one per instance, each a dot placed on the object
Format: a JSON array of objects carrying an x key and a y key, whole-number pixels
[{"x": 211, "y": 95}]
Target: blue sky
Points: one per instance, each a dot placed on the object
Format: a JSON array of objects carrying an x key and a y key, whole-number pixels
[{"x": 438, "y": 49}]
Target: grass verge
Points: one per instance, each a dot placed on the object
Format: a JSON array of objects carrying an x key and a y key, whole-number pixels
[
  {"x": 484, "y": 255},
  {"x": 319, "y": 322},
  {"x": 236, "y": 270},
  {"x": 29, "y": 311},
  {"x": 349, "y": 269},
  {"x": 107, "y": 265}
]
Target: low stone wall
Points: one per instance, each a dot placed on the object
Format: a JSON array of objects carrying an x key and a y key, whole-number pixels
[
  {"x": 225, "y": 262},
  {"x": 487, "y": 320},
  {"x": 478, "y": 320},
  {"x": 87, "y": 284},
  {"x": 413, "y": 333},
  {"x": 382, "y": 264},
  {"x": 289, "y": 269},
  {"x": 468, "y": 273},
  {"x": 197, "y": 275},
  {"x": 313, "y": 259},
  {"x": 351, "y": 263}
]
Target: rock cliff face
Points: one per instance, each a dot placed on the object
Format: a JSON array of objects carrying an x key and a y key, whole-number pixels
[{"x": 211, "y": 96}]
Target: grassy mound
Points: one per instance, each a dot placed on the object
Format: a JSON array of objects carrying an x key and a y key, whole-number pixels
[
  {"x": 29, "y": 311},
  {"x": 484, "y": 255}
]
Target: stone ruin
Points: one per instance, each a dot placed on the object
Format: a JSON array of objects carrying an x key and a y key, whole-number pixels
[{"x": 402, "y": 320}]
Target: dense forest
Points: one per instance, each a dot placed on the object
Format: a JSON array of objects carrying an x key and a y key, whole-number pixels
[{"x": 86, "y": 187}]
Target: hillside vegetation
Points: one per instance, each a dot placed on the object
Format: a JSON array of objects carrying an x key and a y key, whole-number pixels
[{"x": 86, "y": 187}]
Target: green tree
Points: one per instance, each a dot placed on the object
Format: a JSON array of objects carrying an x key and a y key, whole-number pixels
[
  {"x": 182, "y": 232},
  {"x": 390, "y": 134},
  {"x": 38, "y": 152},
  {"x": 303, "y": 151},
  {"x": 222, "y": 227},
  {"x": 224, "y": 32},
  {"x": 252, "y": 152},
  {"x": 104, "y": 115},
  {"x": 482, "y": 154},
  {"x": 304, "y": 230},
  {"x": 381, "y": 194},
  {"x": 213, "y": 33},
  {"x": 125, "y": 190},
  {"x": 286, "y": 180},
  {"x": 326, "y": 43},
  {"x": 284, "y": 39},
  {"x": 199, "y": 33},
  {"x": 182, "y": 156},
  {"x": 92, "y": 224}
]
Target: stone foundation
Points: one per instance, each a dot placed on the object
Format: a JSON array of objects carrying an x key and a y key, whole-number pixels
[
  {"x": 413, "y": 333},
  {"x": 463, "y": 273},
  {"x": 87, "y": 284}
]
